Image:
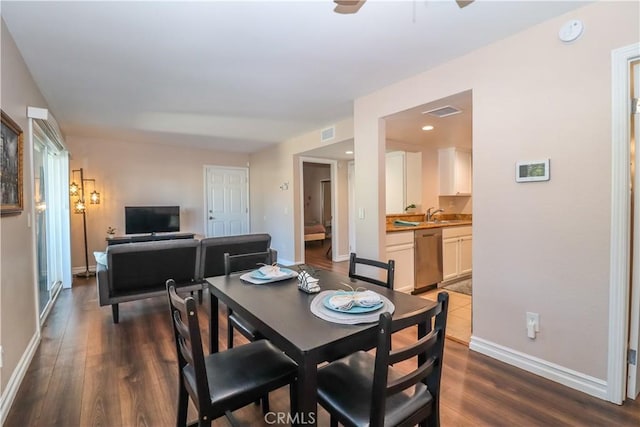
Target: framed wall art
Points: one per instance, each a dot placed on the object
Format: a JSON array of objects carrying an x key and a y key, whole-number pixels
[{"x": 11, "y": 146}]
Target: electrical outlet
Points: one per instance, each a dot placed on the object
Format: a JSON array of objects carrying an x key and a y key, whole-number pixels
[{"x": 533, "y": 324}]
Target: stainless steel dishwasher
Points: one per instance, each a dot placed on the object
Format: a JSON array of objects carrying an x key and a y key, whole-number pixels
[{"x": 427, "y": 258}]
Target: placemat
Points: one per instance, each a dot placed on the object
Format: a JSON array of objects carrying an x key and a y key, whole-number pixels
[{"x": 319, "y": 310}]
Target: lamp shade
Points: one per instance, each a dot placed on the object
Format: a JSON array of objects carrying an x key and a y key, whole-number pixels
[
  {"x": 94, "y": 197},
  {"x": 73, "y": 189},
  {"x": 79, "y": 206}
]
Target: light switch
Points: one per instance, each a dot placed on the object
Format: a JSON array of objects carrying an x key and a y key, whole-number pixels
[{"x": 360, "y": 213}]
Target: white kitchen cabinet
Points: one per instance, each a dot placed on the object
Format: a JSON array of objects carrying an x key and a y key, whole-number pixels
[
  {"x": 395, "y": 182},
  {"x": 400, "y": 249},
  {"x": 403, "y": 179},
  {"x": 455, "y": 173},
  {"x": 456, "y": 252}
]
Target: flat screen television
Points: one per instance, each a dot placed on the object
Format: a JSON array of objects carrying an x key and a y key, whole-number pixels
[{"x": 151, "y": 219}]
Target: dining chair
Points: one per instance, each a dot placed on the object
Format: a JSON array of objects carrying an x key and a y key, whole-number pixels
[
  {"x": 363, "y": 389},
  {"x": 222, "y": 382},
  {"x": 242, "y": 262},
  {"x": 388, "y": 267}
]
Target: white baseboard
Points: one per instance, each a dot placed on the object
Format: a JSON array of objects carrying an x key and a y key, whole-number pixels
[
  {"x": 9, "y": 393},
  {"x": 340, "y": 258},
  {"x": 560, "y": 374},
  {"x": 405, "y": 289}
]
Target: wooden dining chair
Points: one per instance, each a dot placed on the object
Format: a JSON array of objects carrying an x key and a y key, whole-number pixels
[
  {"x": 388, "y": 267},
  {"x": 363, "y": 389},
  {"x": 225, "y": 381},
  {"x": 242, "y": 262}
]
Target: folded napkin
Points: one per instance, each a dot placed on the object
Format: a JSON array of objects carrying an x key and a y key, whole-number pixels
[
  {"x": 346, "y": 300},
  {"x": 404, "y": 223},
  {"x": 307, "y": 283},
  {"x": 367, "y": 298},
  {"x": 271, "y": 271}
]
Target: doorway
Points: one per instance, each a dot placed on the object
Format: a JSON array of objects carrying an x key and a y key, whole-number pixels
[
  {"x": 624, "y": 300},
  {"x": 317, "y": 206},
  {"x": 419, "y": 141},
  {"x": 633, "y": 374},
  {"x": 50, "y": 215}
]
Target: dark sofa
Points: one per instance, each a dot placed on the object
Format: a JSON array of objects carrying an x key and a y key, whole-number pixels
[
  {"x": 139, "y": 270},
  {"x": 212, "y": 250}
]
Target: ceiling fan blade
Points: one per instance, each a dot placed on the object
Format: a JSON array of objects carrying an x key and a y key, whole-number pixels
[
  {"x": 348, "y": 6},
  {"x": 464, "y": 3}
]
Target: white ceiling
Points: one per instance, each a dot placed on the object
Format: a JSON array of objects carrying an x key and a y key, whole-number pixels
[{"x": 239, "y": 75}]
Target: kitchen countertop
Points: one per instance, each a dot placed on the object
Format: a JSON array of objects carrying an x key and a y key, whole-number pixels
[
  {"x": 443, "y": 220},
  {"x": 422, "y": 225}
]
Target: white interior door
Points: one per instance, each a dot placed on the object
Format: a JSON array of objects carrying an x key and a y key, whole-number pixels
[
  {"x": 227, "y": 193},
  {"x": 633, "y": 377}
]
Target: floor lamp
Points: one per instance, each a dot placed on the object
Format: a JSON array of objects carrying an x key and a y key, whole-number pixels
[{"x": 80, "y": 207}]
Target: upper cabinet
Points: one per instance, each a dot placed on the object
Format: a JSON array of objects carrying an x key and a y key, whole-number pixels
[
  {"x": 403, "y": 180},
  {"x": 455, "y": 171}
]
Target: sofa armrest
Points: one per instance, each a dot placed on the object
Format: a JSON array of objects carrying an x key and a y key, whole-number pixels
[{"x": 102, "y": 280}]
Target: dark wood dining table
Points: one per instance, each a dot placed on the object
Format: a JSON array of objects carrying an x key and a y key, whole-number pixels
[{"x": 280, "y": 311}]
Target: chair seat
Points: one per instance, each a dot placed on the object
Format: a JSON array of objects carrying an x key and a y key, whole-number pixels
[
  {"x": 243, "y": 374},
  {"x": 346, "y": 386},
  {"x": 244, "y": 327}
]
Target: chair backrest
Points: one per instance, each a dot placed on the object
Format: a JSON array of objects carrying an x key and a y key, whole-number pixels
[
  {"x": 249, "y": 261},
  {"x": 212, "y": 250},
  {"x": 428, "y": 350},
  {"x": 389, "y": 267},
  {"x": 186, "y": 330}
]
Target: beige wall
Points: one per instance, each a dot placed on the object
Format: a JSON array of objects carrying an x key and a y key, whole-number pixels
[
  {"x": 541, "y": 247},
  {"x": 277, "y": 211},
  {"x": 139, "y": 174},
  {"x": 18, "y": 309}
]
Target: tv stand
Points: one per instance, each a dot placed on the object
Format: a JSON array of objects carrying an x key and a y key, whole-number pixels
[{"x": 148, "y": 238}]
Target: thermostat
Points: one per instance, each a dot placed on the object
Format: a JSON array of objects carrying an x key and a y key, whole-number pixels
[
  {"x": 537, "y": 170},
  {"x": 571, "y": 30}
]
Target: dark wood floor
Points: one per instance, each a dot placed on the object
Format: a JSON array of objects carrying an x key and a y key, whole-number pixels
[{"x": 89, "y": 372}]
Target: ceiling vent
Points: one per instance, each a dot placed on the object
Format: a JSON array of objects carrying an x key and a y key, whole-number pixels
[
  {"x": 443, "y": 111},
  {"x": 327, "y": 134}
]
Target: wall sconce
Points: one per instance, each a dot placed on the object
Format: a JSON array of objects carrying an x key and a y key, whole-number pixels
[{"x": 284, "y": 186}]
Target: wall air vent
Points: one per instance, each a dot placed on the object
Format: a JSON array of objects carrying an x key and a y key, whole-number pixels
[
  {"x": 443, "y": 111},
  {"x": 327, "y": 134}
]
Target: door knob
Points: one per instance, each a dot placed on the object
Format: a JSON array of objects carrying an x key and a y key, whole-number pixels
[{"x": 211, "y": 217}]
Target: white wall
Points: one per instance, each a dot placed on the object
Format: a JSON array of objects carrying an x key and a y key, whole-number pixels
[
  {"x": 139, "y": 174},
  {"x": 541, "y": 247}
]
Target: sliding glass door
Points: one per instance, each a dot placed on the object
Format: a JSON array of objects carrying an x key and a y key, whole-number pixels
[
  {"x": 40, "y": 223},
  {"x": 51, "y": 217}
]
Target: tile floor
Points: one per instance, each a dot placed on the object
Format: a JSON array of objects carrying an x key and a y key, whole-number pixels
[{"x": 459, "y": 317}]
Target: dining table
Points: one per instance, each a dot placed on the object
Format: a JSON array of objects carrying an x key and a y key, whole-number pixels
[{"x": 281, "y": 312}]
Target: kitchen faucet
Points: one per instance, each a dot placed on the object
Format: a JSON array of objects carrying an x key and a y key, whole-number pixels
[{"x": 429, "y": 215}]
